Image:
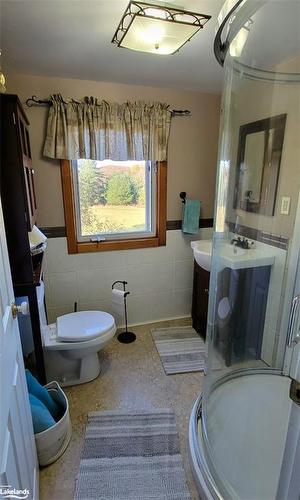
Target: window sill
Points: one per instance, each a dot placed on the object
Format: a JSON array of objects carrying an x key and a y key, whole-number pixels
[{"x": 107, "y": 246}]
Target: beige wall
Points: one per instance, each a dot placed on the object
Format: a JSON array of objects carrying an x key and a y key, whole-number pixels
[{"x": 192, "y": 147}]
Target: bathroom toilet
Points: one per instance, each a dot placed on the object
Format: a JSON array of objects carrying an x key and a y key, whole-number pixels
[{"x": 71, "y": 345}]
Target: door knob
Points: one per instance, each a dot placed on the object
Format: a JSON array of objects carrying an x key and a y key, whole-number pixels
[{"x": 23, "y": 308}]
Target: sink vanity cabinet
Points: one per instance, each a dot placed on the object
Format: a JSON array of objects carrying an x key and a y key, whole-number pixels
[
  {"x": 243, "y": 284},
  {"x": 240, "y": 314}
]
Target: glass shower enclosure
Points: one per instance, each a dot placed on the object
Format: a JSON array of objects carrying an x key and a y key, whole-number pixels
[{"x": 244, "y": 432}]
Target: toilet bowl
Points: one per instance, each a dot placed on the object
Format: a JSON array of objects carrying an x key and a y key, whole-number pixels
[{"x": 71, "y": 345}]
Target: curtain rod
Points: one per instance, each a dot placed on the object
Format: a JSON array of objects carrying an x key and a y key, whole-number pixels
[{"x": 34, "y": 101}]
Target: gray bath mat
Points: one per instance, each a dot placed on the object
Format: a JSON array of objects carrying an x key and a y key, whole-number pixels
[
  {"x": 131, "y": 456},
  {"x": 181, "y": 350}
]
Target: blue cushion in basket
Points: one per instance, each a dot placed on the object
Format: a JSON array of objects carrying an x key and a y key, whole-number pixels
[
  {"x": 35, "y": 388},
  {"x": 41, "y": 416}
]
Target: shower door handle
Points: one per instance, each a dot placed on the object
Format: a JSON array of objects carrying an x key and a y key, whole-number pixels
[{"x": 291, "y": 338}]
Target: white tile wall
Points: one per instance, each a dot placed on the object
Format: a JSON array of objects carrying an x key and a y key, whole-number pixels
[
  {"x": 274, "y": 312},
  {"x": 160, "y": 279}
]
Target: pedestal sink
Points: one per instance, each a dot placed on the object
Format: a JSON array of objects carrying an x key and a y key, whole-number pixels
[{"x": 231, "y": 255}]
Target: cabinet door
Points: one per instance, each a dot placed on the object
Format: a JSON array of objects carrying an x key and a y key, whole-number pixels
[
  {"x": 200, "y": 299},
  {"x": 30, "y": 193},
  {"x": 31, "y": 209}
]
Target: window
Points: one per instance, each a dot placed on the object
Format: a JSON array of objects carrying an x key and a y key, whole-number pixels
[
  {"x": 114, "y": 199},
  {"x": 111, "y": 205}
]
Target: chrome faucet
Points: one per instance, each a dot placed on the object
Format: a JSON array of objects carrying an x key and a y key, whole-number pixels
[{"x": 242, "y": 243}]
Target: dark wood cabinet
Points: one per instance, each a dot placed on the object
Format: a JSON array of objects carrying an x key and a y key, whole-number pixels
[
  {"x": 200, "y": 299},
  {"x": 19, "y": 210}
]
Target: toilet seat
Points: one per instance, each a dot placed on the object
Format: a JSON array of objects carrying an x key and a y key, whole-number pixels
[
  {"x": 51, "y": 342},
  {"x": 83, "y": 326}
]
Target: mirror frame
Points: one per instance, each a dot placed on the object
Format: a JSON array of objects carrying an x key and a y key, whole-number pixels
[{"x": 271, "y": 165}]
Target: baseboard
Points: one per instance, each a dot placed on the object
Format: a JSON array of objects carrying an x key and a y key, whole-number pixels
[{"x": 173, "y": 318}]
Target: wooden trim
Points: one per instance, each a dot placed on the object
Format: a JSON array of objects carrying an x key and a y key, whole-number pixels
[
  {"x": 84, "y": 247},
  {"x": 105, "y": 246},
  {"x": 69, "y": 205},
  {"x": 161, "y": 203}
]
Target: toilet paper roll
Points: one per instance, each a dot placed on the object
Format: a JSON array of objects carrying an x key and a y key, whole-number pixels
[{"x": 118, "y": 302}]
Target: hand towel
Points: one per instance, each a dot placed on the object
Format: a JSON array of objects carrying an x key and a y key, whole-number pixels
[
  {"x": 41, "y": 416},
  {"x": 41, "y": 393},
  {"x": 191, "y": 214}
]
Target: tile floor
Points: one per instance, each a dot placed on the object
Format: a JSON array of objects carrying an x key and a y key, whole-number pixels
[{"x": 132, "y": 377}]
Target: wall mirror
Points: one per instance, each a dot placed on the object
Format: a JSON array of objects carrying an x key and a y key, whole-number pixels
[{"x": 258, "y": 164}]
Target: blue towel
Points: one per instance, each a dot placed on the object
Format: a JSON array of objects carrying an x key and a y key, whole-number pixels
[
  {"x": 41, "y": 416},
  {"x": 190, "y": 223},
  {"x": 35, "y": 388}
]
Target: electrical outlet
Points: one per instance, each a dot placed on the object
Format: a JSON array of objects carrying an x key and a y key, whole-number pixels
[{"x": 285, "y": 205}]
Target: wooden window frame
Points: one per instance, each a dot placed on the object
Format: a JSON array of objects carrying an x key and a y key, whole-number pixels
[{"x": 75, "y": 246}]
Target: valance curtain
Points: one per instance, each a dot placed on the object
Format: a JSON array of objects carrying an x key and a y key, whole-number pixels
[{"x": 99, "y": 130}]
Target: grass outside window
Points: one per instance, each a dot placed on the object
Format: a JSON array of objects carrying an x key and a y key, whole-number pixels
[{"x": 114, "y": 205}]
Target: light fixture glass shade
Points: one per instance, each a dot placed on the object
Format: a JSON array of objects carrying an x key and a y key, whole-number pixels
[
  {"x": 157, "y": 36},
  {"x": 156, "y": 29}
]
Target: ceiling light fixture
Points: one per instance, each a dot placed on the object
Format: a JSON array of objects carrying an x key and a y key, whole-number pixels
[{"x": 157, "y": 29}]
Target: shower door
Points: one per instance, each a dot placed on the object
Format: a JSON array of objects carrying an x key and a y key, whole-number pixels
[
  {"x": 289, "y": 482},
  {"x": 246, "y": 417}
]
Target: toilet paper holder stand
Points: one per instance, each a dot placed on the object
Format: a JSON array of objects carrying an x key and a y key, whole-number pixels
[{"x": 125, "y": 337}]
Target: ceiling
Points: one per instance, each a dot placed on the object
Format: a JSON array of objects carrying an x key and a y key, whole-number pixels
[{"x": 72, "y": 39}]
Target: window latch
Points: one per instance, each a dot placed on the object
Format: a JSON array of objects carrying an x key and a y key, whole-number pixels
[{"x": 97, "y": 239}]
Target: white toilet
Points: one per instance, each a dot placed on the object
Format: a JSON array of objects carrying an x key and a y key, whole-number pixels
[{"x": 71, "y": 345}]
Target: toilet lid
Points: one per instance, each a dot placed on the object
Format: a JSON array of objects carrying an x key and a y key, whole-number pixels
[{"x": 83, "y": 325}]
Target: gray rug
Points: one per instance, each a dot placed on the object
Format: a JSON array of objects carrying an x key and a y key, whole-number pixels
[
  {"x": 131, "y": 456},
  {"x": 181, "y": 349}
]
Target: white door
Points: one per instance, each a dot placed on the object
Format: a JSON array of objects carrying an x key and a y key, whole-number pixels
[{"x": 18, "y": 459}]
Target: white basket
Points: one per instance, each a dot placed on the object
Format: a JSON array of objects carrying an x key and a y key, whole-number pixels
[{"x": 53, "y": 442}]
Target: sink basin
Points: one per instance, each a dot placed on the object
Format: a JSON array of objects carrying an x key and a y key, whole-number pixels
[
  {"x": 202, "y": 253},
  {"x": 231, "y": 255}
]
